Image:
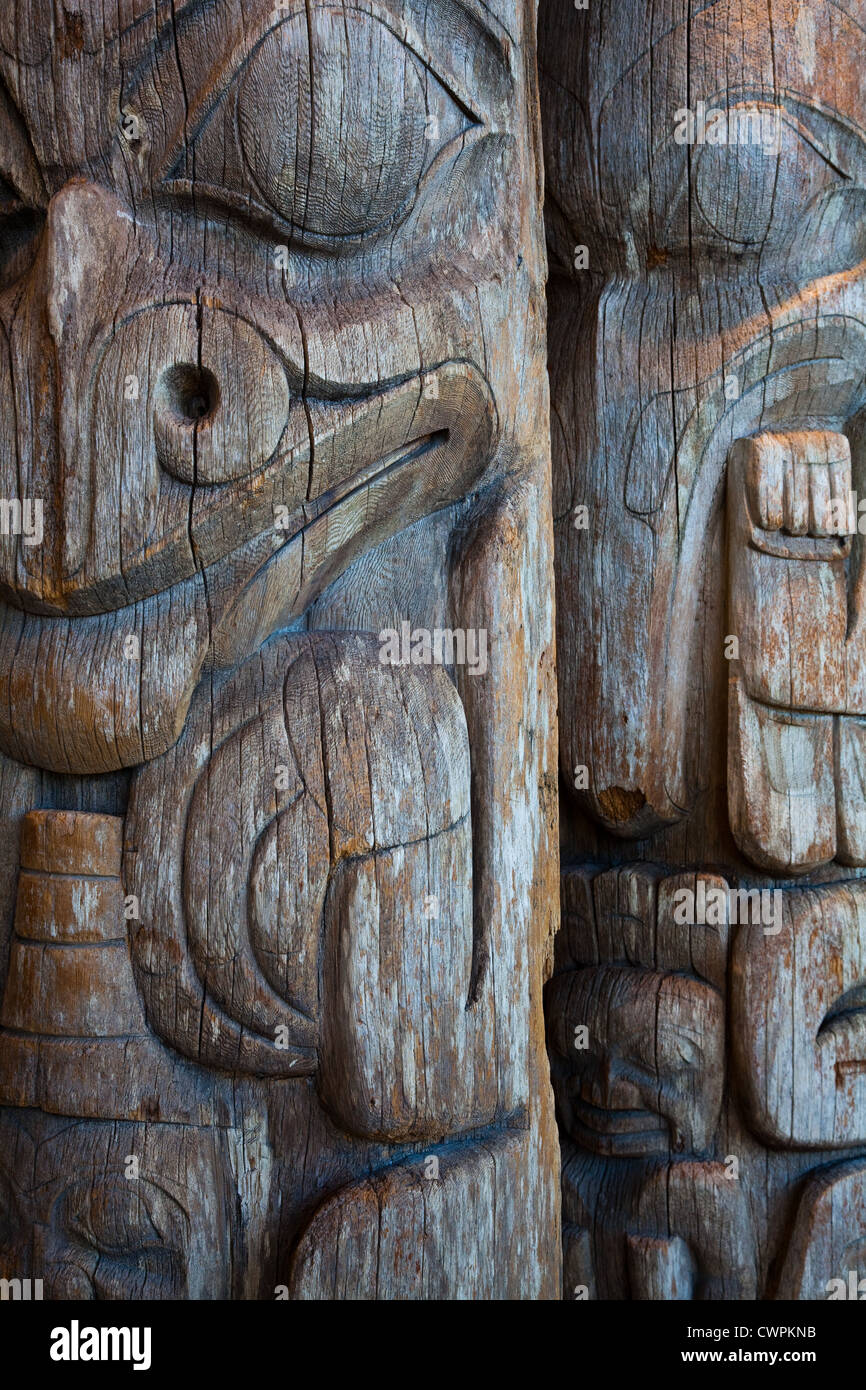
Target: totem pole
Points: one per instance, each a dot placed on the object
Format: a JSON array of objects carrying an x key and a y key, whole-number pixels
[
  {"x": 706, "y": 192},
  {"x": 278, "y": 862}
]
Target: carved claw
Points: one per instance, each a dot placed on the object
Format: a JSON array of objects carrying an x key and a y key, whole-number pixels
[{"x": 794, "y": 792}]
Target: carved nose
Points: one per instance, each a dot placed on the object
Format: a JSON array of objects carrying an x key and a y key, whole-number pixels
[
  {"x": 71, "y": 291},
  {"x": 84, "y": 225},
  {"x": 111, "y": 379},
  {"x": 604, "y": 1082}
]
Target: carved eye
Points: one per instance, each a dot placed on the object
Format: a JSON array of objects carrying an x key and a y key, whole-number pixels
[
  {"x": 759, "y": 179},
  {"x": 330, "y": 127},
  {"x": 118, "y": 1217},
  {"x": 138, "y": 1231},
  {"x": 681, "y": 1051}
]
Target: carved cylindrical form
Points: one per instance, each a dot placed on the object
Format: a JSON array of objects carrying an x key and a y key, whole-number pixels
[
  {"x": 276, "y": 652},
  {"x": 706, "y": 179}
]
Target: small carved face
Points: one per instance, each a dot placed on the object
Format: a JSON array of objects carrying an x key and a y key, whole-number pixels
[
  {"x": 639, "y": 1059},
  {"x": 242, "y": 333},
  {"x": 99, "y": 1211}
]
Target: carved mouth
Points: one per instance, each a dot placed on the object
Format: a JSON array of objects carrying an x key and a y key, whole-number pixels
[
  {"x": 614, "y": 1121},
  {"x": 144, "y": 539},
  {"x": 628, "y": 1133},
  {"x": 260, "y": 549},
  {"x": 260, "y": 546},
  {"x": 95, "y": 681},
  {"x": 397, "y": 459}
]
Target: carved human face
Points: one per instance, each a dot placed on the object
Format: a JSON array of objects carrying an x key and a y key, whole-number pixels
[
  {"x": 724, "y": 297},
  {"x": 76, "y": 1214},
  {"x": 639, "y": 1060},
  {"x": 242, "y": 339}
]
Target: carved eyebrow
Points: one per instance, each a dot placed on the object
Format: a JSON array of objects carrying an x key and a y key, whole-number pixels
[
  {"x": 174, "y": 13},
  {"x": 489, "y": 30},
  {"x": 684, "y": 1030},
  {"x": 225, "y": 63},
  {"x": 266, "y": 14}
]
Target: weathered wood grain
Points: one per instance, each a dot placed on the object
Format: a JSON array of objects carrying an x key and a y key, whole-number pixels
[
  {"x": 272, "y": 359},
  {"x": 705, "y": 199}
]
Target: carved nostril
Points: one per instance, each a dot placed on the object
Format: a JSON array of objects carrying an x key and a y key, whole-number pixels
[{"x": 189, "y": 393}]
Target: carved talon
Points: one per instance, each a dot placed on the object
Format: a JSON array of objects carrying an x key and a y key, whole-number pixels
[
  {"x": 793, "y": 800},
  {"x": 798, "y": 483}
]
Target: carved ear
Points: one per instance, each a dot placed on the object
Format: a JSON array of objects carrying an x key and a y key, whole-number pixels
[{"x": 214, "y": 798}]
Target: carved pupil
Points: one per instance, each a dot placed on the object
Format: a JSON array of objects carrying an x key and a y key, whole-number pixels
[{"x": 189, "y": 392}]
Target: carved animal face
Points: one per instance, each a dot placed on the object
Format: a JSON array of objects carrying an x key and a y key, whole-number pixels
[
  {"x": 241, "y": 329},
  {"x": 717, "y": 180},
  {"x": 639, "y": 1060}
]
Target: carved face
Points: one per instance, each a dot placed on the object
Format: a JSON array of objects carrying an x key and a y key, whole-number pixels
[
  {"x": 241, "y": 330},
  {"x": 640, "y": 1060},
  {"x": 718, "y": 187},
  {"x": 73, "y": 1214}
]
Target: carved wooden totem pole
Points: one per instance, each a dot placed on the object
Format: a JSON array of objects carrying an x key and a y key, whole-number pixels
[
  {"x": 278, "y": 850},
  {"x": 706, "y": 192}
]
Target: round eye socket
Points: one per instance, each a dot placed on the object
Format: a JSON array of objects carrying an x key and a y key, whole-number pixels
[
  {"x": 736, "y": 180},
  {"x": 748, "y": 154},
  {"x": 334, "y": 136},
  {"x": 114, "y": 1215},
  {"x": 189, "y": 392}
]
